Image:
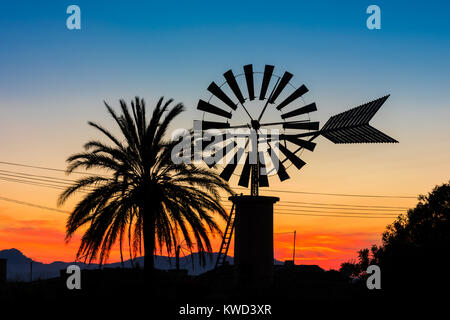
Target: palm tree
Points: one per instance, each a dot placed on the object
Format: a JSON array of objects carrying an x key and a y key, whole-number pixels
[{"x": 141, "y": 194}]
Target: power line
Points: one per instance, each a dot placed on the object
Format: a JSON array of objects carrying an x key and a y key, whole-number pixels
[
  {"x": 294, "y": 208},
  {"x": 336, "y": 212},
  {"x": 51, "y": 182},
  {"x": 329, "y": 215},
  {"x": 35, "y": 175},
  {"x": 33, "y": 183},
  {"x": 35, "y": 167},
  {"x": 239, "y": 188},
  {"x": 337, "y": 208},
  {"x": 320, "y": 205},
  {"x": 59, "y": 187},
  {"x": 343, "y": 215},
  {"x": 286, "y": 211},
  {"x": 41, "y": 182},
  {"x": 338, "y": 194},
  {"x": 61, "y": 184},
  {"x": 349, "y": 214},
  {"x": 345, "y": 205},
  {"x": 32, "y": 205},
  {"x": 34, "y": 179},
  {"x": 41, "y": 168}
]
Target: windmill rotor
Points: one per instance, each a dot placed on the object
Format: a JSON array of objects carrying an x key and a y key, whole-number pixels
[
  {"x": 240, "y": 92},
  {"x": 182, "y": 250},
  {"x": 276, "y": 93}
]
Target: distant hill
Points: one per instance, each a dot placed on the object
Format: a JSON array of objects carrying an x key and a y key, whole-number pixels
[
  {"x": 14, "y": 256},
  {"x": 18, "y": 265}
]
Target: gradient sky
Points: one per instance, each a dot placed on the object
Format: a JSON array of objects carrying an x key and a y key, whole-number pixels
[{"x": 53, "y": 80}]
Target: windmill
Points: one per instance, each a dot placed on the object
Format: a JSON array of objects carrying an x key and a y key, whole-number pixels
[
  {"x": 265, "y": 154},
  {"x": 182, "y": 250}
]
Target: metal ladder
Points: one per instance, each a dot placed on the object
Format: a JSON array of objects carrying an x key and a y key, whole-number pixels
[{"x": 221, "y": 258}]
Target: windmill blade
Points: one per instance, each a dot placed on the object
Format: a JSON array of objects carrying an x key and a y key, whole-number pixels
[
  {"x": 207, "y": 125},
  {"x": 224, "y": 151},
  {"x": 296, "y": 161},
  {"x": 245, "y": 174},
  {"x": 268, "y": 70},
  {"x": 302, "y": 110},
  {"x": 231, "y": 166},
  {"x": 302, "y": 125},
  {"x": 248, "y": 70},
  {"x": 231, "y": 80},
  {"x": 301, "y": 143},
  {"x": 263, "y": 180},
  {"x": 295, "y": 95},
  {"x": 287, "y": 76},
  {"x": 352, "y": 126},
  {"x": 218, "y": 92},
  {"x": 281, "y": 172},
  {"x": 207, "y": 107}
]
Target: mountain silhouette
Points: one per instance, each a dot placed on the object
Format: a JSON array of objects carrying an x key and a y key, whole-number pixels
[
  {"x": 18, "y": 265},
  {"x": 14, "y": 256}
]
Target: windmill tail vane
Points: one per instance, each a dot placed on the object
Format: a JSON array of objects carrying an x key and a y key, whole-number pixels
[{"x": 352, "y": 126}]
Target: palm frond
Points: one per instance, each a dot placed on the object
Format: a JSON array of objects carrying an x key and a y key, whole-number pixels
[{"x": 141, "y": 183}]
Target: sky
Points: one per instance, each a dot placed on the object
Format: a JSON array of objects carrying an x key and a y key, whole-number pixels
[{"x": 53, "y": 80}]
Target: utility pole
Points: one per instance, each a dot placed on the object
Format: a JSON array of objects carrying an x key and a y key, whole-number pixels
[
  {"x": 177, "y": 258},
  {"x": 293, "y": 256}
]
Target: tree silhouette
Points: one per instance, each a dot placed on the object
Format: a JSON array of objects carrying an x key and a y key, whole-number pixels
[
  {"x": 349, "y": 269},
  {"x": 141, "y": 194},
  {"x": 427, "y": 225},
  {"x": 414, "y": 247},
  {"x": 364, "y": 260}
]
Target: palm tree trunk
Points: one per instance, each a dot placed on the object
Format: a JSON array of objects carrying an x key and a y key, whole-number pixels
[{"x": 149, "y": 243}]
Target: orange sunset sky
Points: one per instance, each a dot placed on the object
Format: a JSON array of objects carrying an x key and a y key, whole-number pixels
[{"x": 326, "y": 241}]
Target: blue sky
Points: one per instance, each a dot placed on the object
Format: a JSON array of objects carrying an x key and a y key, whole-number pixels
[{"x": 175, "y": 48}]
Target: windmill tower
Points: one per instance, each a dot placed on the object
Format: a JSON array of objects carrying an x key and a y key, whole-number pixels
[{"x": 267, "y": 148}]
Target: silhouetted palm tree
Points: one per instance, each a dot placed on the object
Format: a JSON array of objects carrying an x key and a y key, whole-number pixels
[{"x": 141, "y": 194}]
